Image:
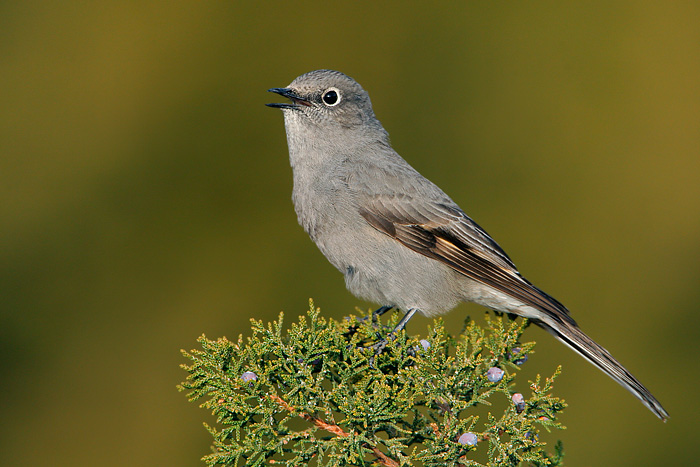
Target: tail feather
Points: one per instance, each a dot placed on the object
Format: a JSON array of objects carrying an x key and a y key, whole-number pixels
[{"x": 573, "y": 337}]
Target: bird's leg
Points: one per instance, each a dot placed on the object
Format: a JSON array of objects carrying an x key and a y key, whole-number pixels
[
  {"x": 402, "y": 324},
  {"x": 379, "y": 346},
  {"x": 377, "y": 313}
]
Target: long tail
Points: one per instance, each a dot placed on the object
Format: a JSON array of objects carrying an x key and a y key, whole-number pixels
[{"x": 572, "y": 336}]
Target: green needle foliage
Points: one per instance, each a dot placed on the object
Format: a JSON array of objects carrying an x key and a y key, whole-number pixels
[{"x": 318, "y": 394}]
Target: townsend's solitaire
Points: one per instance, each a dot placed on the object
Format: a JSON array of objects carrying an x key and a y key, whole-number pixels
[{"x": 400, "y": 240}]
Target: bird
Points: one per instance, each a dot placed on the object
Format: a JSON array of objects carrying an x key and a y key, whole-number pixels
[{"x": 398, "y": 239}]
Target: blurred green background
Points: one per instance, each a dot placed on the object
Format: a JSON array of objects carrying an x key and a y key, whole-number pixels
[{"x": 145, "y": 199}]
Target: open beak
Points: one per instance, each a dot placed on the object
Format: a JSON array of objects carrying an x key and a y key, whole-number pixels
[{"x": 291, "y": 95}]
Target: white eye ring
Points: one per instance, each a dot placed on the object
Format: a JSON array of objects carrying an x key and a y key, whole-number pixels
[{"x": 331, "y": 97}]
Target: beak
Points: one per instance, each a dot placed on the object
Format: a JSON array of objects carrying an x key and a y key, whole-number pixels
[{"x": 291, "y": 95}]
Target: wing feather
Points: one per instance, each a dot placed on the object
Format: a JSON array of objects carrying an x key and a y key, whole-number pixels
[{"x": 447, "y": 235}]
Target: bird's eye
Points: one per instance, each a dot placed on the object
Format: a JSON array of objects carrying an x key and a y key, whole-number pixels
[{"x": 331, "y": 97}]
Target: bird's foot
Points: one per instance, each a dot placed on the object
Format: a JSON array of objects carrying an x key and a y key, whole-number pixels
[{"x": 379, "y": 346}]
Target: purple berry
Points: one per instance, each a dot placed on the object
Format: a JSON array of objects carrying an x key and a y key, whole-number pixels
[
  {"x": 249, "y": 376},
  {"x": 425, "y": 344},
  {"x": 519, "y": 401},
  {"x": 468, "y": 439},
  {"x": 494, "y": 374},
  {"x": 515, "y": 351}
]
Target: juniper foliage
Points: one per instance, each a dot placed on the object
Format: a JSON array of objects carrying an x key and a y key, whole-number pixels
[{"x": 316, "y": 394}]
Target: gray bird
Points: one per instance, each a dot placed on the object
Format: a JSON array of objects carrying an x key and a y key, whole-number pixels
[{"x": 398, "y": 239}]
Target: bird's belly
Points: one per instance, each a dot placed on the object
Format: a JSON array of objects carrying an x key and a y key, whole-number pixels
[{"x": 379, "y": 269}]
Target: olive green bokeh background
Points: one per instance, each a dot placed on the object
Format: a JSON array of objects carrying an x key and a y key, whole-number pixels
[{"x": 145, "y": 199}]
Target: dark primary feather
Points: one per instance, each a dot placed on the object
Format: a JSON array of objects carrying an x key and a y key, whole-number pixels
[{"x": 446, "y": 234}]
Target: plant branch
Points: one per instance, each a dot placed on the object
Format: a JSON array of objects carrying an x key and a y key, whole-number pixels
[
  {"x": 335, "y": 429},
  {"x": 421, "y": 401}
]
